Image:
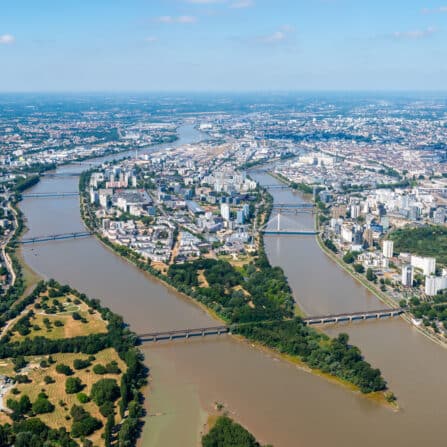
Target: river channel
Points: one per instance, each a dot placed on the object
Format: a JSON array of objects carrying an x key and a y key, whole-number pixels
[{"x": 278, "y": 402}]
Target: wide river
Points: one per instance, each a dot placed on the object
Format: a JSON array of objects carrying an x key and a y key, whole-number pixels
[{"x": 278, "y": 402}]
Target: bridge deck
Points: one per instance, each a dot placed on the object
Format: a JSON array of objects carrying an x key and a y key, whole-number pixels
[
  {"x": 220, "y": 330},
  {"x": 294, "y": 205},
  {"x": 184, "y": 333},
  {"x": 49, "y": 194},
  {"x": 55, "y": 237},
  {"x": 355, "y": 315}
]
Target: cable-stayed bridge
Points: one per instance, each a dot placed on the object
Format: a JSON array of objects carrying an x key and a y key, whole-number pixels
[{"x": 280, "y": 224}]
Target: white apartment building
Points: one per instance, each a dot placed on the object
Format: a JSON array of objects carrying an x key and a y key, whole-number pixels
[
  {"x": 387, "y": 249},
  {"x": 426, "y": 264},
  {"x": 407, "y": 275},
  {"x": 225, "y": 211}
]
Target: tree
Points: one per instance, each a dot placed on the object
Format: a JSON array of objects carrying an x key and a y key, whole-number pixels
[
  {"x": 370, "y": 275},
  {"x": 42, "y": 405},
  {"x": 64, "y": 369},
  {"x": 359, "y": 268},
  {"x": 108, "y": 430},
  {"x": 128, "y": 432},
  {"x": 107, "y": 408},
  {"x": 349, "y": 257},
  {"x": 83, "y": 423},
  {"x": 329, "y": 244},
  {"x": 48, "y": 380},
  {"x": 81, "y": 364},
  {"x": 99, "y": 369},
  {"x": 73, "y": 385},
  {"x": 19, "y": 363},
  {"x": 105, "y": 390}
]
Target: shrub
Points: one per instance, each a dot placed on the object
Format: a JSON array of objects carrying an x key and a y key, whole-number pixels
[
  {"x": 83, "y": 398},
  {"x": 81, "y": 364},
  {"x": 99, "y": 369},
  {"x": 48, "y": 380},
  {"x": 19, "y": 362},
  {"x": 73, "y": 385},
  {"x": 112, "y": 368},
  {"x": 64, "y": 369},
  {"x": 22, "y": 378}
]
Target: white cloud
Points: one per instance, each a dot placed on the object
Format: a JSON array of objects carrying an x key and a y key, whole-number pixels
[
  {"x": 434, "y": 10},
  {"x": 151, "y": 39},
  {"x": 240, "y": 4},
  {"x": 178, "y": 19},
  {"x": 7, "y": 39},
  {"x": 415, "y": 34},
  {"x": 278, "y": 36}
]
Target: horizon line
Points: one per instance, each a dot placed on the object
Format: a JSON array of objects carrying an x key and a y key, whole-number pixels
[{"x": 224, "y": 91}]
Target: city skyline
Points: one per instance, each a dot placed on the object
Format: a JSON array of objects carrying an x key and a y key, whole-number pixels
[{"x": 222, "y": 45}]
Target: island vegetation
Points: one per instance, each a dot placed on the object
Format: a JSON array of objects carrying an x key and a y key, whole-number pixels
[{"x": 227, "y": 433}]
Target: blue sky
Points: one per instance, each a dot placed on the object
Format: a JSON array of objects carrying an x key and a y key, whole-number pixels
[{"x": 219, "y": 45}]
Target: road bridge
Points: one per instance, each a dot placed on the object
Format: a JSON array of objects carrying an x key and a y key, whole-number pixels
[
  {"x": 281, "y": 225},
  {"x": 184, "y": 333},
  {"x": 300, "y": 205},
  {"x": 290, "y": 232},
  {"x": 273, "y": 186},
  {"x": 55, "y": 237},
  {"x": 38, "y": 195},
  {"x": 61, "y": 174},
  {"x": 354, "y": 316},
  {"x": 319, "y": 320}
]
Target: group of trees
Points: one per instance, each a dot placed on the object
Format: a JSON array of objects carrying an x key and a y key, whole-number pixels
[
  {"x": 24, "y": 183},
  {"x": 33, "y": 432},
  {"x": 103, "y": 393},
  {"x": 84, "y": 424},
  {"x": 227, "y": 433},
  {"x": 23, "y": 407},
  {"x": 428, "y": 240},
  {"x": 267, "y": 294},
  {"x": 332, "y": 356},
  {"x": 433, "y": 313}
]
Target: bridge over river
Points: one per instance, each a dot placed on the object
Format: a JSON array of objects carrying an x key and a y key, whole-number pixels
[
  {"x": 55, "y": 237},
  {"x": 37, "y": 195},
  {"x": 318, "y": 320}
]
